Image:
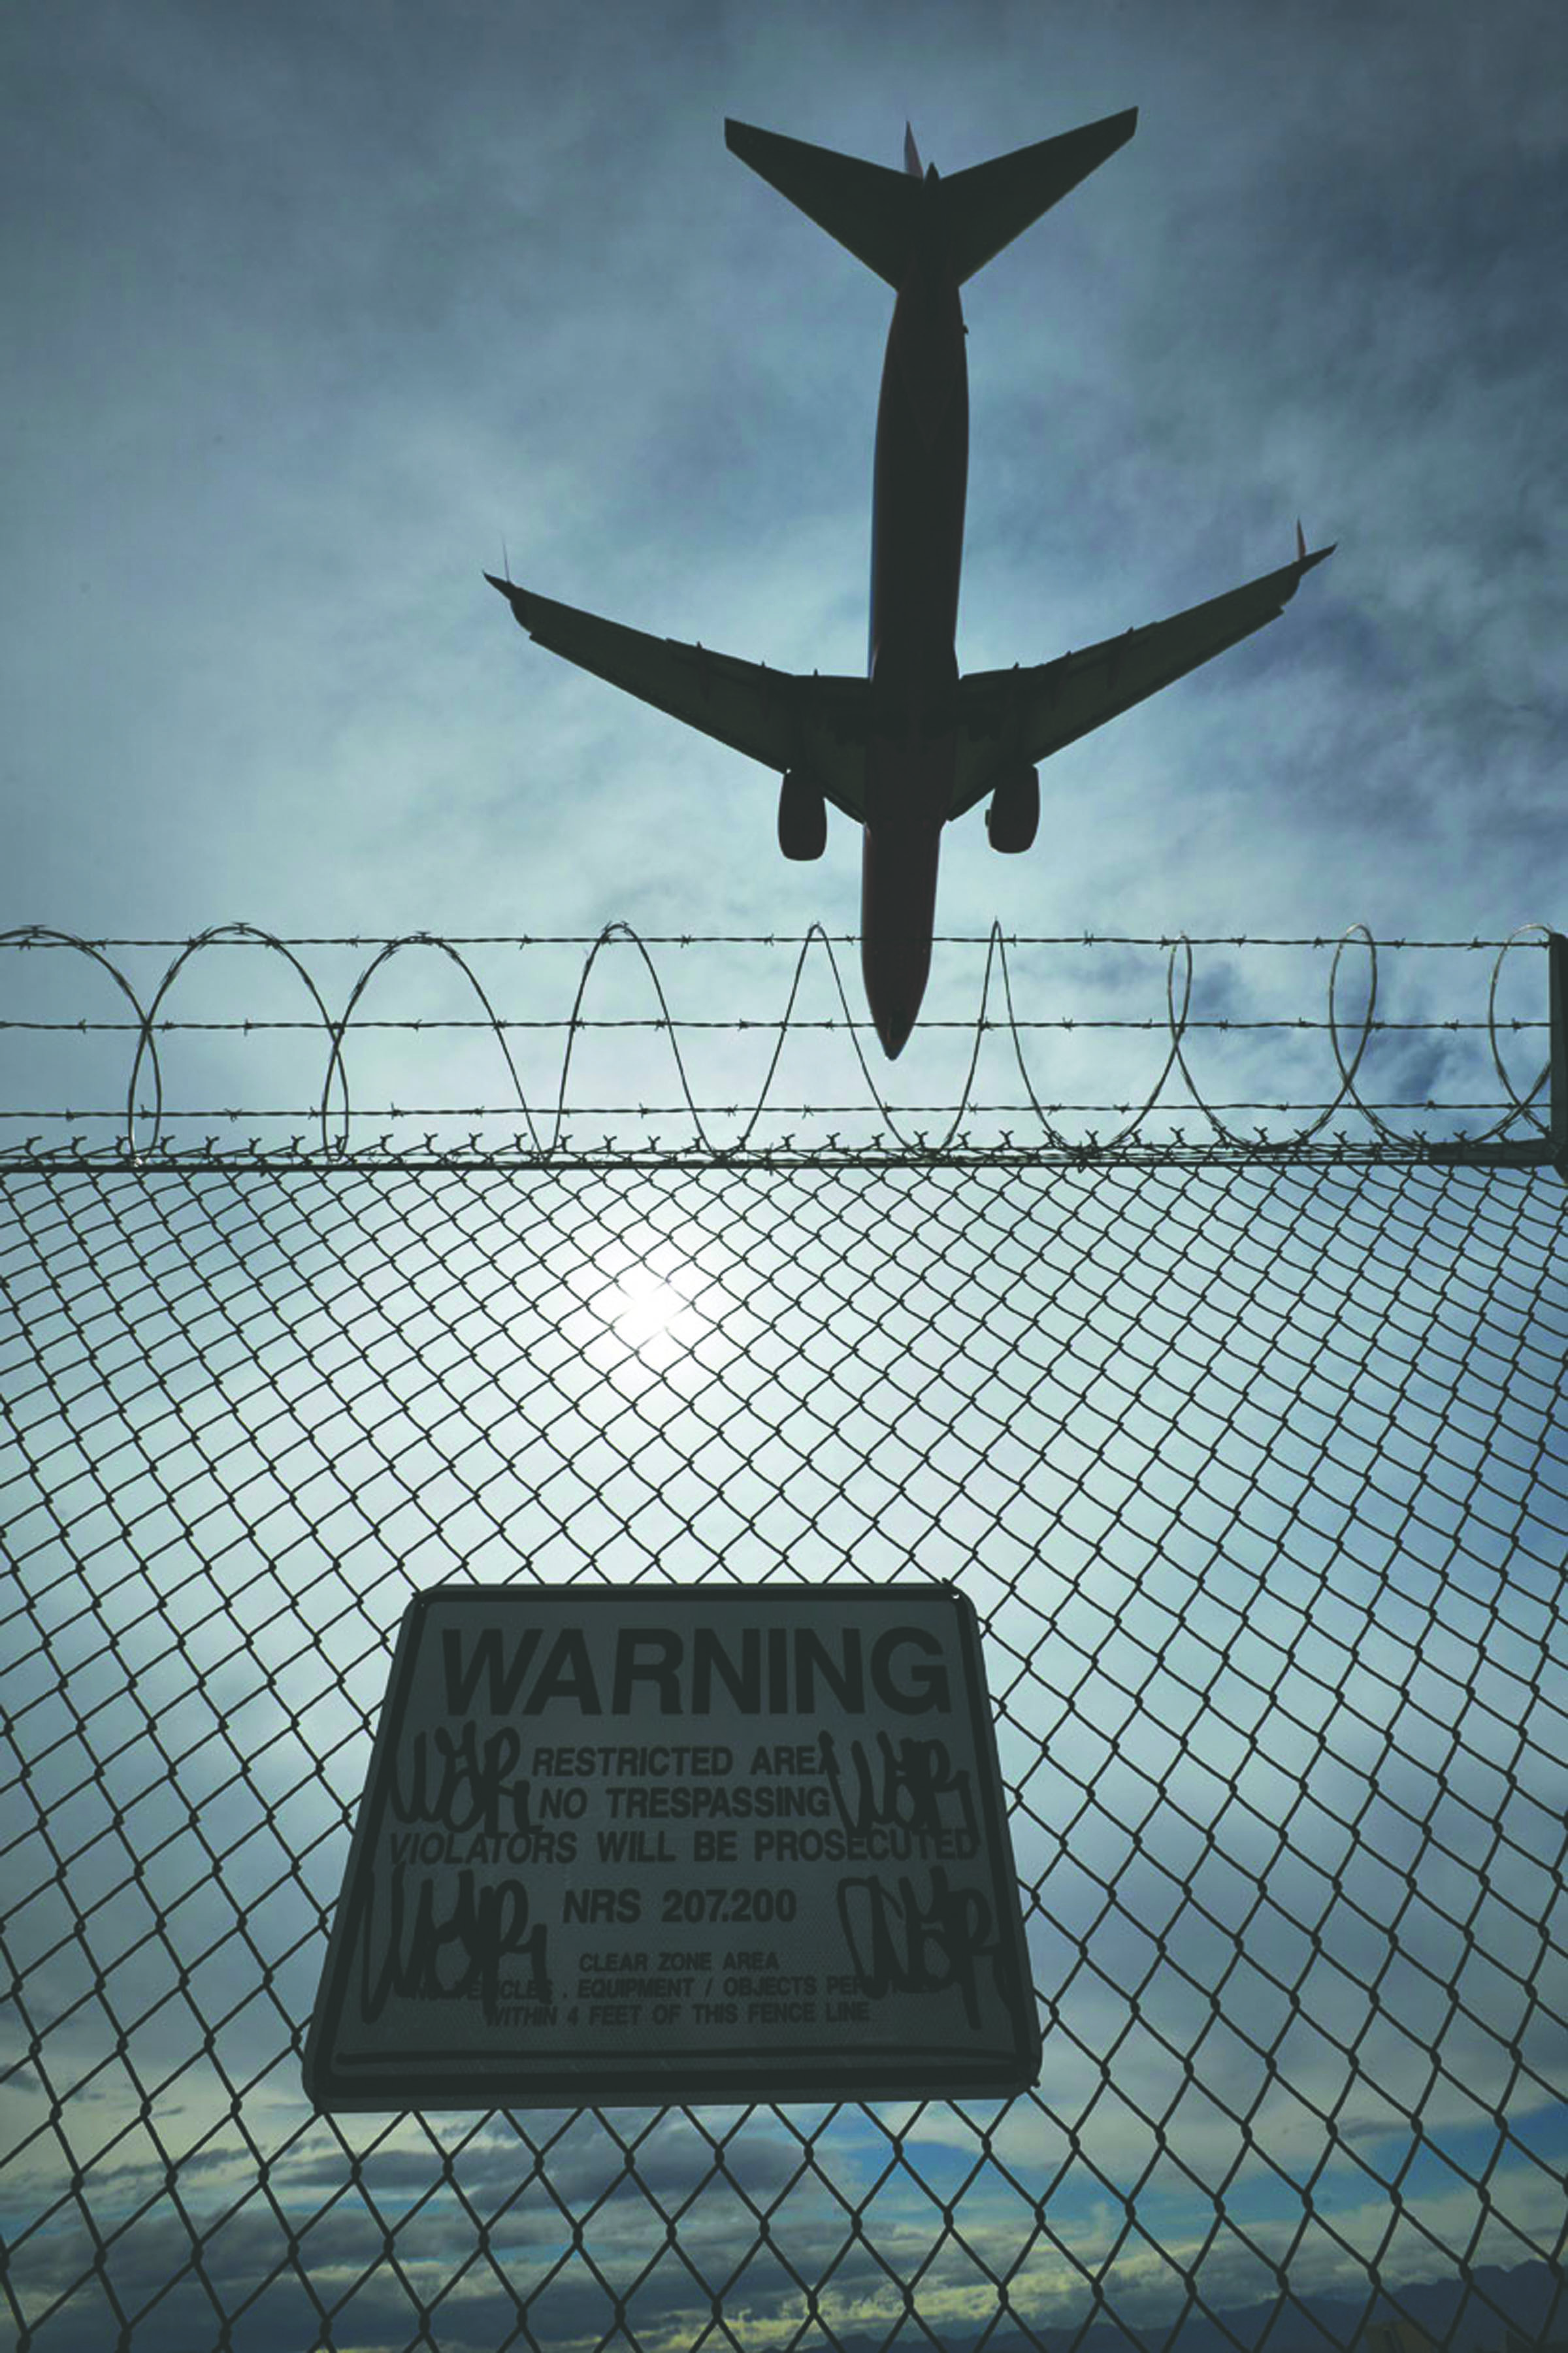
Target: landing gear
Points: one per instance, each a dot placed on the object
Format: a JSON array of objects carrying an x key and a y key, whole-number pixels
[
  {"x": 803, "y": 818},
  {"x": 1014, "y": 815}
]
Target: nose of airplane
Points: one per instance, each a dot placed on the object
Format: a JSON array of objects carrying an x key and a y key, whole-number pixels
[
  {"x": 895, "y": 964},
  {"x": 895, "y": 985},
  {"x": 898, "y": 907},
  {"x": 893, "y": 1027}
]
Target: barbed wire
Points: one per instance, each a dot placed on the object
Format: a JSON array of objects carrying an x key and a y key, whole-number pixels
[
  {"x": 1518, "y": 1131},
  {"x": 38, "y": 936},
  {"x": 742, "y": 1022}
]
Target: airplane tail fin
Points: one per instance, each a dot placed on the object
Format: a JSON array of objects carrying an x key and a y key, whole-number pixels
[{"x": 877, "y": 214}]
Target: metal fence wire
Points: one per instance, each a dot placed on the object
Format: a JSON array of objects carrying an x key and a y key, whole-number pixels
[{"x": 1257, "y": 1477}]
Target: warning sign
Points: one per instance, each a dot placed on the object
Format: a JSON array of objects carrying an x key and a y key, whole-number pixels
[{"x": 675, "y": 1844}]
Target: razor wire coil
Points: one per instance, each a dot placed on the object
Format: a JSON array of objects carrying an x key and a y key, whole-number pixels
[{"x": 1521, "y": 1121}]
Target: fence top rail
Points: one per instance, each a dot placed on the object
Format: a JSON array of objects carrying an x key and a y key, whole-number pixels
[{"x": 1343, "y": 1153}]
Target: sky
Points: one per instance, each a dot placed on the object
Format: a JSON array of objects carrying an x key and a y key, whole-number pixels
[
  {"x": 322, "y": 304},
  {"x": 316, "y": 309}
]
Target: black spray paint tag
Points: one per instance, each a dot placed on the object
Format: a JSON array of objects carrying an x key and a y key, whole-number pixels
[{"x": 662, "y": 1844}]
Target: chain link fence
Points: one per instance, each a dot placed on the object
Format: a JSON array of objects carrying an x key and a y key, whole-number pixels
[{"x": 1257, "y": 1477}]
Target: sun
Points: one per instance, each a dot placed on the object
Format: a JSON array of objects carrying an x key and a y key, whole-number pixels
[{"x": 651, "y": 1317}]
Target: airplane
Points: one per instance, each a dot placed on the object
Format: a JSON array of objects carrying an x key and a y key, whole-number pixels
[{"x": 914, "y": 743}]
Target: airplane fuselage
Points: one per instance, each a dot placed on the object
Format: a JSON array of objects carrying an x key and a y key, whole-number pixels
[{"x": 921, "y": 479}]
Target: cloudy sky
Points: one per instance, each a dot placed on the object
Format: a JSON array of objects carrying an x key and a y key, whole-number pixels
[{"x": 314, "y": 308}]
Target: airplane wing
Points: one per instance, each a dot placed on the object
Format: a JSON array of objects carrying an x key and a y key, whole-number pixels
[
  {"x": 776, "y": 717},
  {"x": 1023, "y": 715}
]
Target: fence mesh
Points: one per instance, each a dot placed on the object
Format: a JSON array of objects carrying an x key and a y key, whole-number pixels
[{"x": 1258, "y": 1478}]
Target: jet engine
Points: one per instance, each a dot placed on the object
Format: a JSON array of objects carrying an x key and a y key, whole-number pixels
[
  {"x": 802, "y": 817},
  {"x": 1014, "y": 815}
]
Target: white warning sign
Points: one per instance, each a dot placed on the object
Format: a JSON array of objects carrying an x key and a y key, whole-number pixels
[{"x": 660, "y": 1844}]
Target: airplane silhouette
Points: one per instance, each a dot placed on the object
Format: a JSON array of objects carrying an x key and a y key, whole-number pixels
[{"x": 913, "y": 743}]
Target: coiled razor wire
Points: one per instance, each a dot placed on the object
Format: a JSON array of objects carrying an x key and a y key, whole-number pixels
[
  {"x": 1257, "y": 1477},
  {"x": 1527, "y": 1129}
]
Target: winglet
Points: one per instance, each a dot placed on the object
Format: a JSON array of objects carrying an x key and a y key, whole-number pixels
[
  {"x": 1305, "y": 562},
  {"x": 515, "y": 598},
  {"x": 1290, "y": 575}
]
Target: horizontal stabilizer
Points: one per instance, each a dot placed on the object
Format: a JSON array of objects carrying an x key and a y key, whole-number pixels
[
  {"x": 872, "y": 210},
  {"x": 879, "y": 215},
  {"x": 988, "y": 205}
]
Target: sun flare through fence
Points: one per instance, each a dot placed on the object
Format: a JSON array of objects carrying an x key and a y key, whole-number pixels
[{"x": 1257, "y": 1476}]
